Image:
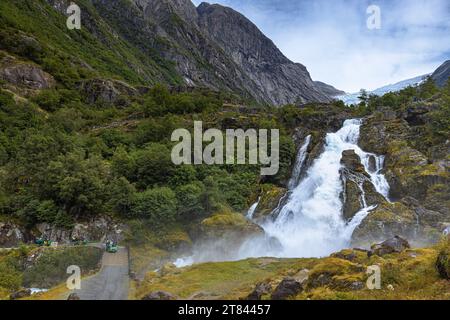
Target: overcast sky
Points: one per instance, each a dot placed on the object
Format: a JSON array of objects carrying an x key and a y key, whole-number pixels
[{"x": 331, "y": 38}]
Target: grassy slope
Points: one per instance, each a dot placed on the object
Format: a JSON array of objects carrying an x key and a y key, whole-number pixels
[
  {"x": 412, "y": 275},
  {"x": 94, "y": 44},
  {"x": 46, "y": 271}
]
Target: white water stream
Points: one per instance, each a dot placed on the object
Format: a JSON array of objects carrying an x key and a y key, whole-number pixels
[{"x": 310, "y": 224}]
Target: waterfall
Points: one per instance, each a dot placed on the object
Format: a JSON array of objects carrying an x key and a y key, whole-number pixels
[
  {"x": 309, "y": 221},
  {"x": 252, "y": 209},
  {"x": 298, "y": 166},
  {"x": 310, "y": 224},
  {"x": 378, "y": 179}
]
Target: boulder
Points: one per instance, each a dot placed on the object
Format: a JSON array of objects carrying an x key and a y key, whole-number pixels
[
  {"x": 393, "y": 245},
  {"x": 73, "y": 296},
  {"x": 288, "y": 287},
  {"x": 291, "y": 286},
  {"x": 159, "y": 295},
  {"x": 23, "y": 293},
  {"x": 261, "y": 289},
  {"x": 352, "y": 161}
]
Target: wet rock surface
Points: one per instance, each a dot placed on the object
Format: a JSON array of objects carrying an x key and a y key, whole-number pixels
[
  {"x": 260, "y": 290},
  {"x": 393, "y": 245},
  {"x": 417, "y": 173}
]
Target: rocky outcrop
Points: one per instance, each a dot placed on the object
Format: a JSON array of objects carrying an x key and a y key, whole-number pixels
[
  {"x": 212, "y": 46},
  {"x": 96, "y": 230},
  {"x": 418, "y": 176},
  {"x": 291, "y": 286},
  {"x": 387, "y": 221},
  {"x": 393, "y": 245},
  {"x": 442, "y": 74},
  {"x": 359, "y": 192},
  {"x": 228, "y": 225},
  {"x": 24, "y": 75},
  {"x": 337, "y": 274},
  {"x": 261, "y": 289},
  {"x": 11, "y": 235},
  {"x": 328, "y": 89},
  {"x": 271, "y": 198},
  {"x": 106, "y": 91},
  {"x": 281, "y": 81},
  {"x": 287, "y": 288}
]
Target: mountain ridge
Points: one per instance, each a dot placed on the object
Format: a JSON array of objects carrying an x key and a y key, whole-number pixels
[{"x": 177, "y": 43}]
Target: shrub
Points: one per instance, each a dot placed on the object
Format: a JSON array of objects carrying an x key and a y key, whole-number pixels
[
  {"x": 189, "y": 197},
  {"x": 50, "y": 268},
  {"x": 159, "y": 205}
]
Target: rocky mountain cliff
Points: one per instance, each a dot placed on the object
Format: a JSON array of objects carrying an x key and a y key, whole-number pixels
[
  {"x": 328, "y": 89},
  {"x": 210, "y": 46},
  {"x": 278, "y": 80},
  {"x": 442, "y": 74}
]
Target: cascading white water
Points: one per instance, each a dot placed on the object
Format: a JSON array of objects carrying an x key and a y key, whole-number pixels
[
  {"x": 310, "y": 223},
  {"x": 252, "y": 209},
  {"x": 298, "y": 166},
  {"x": 376, "y": 175}
]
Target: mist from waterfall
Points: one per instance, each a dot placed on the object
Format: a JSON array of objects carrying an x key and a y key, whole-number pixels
[{"x": 310, "y": 221}]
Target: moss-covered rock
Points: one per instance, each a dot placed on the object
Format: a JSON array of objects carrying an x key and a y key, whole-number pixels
[
  {"x": 351, "y": 199},
  {"x": 227, "y": 225},
  {"x": 358, "y": 188},
  {"x": 352, "y": 255},
  {"x": 386, "y": 221},
  {"x": 336, "y": 273},
  {"x": 271, "y": 196},
  {"x": 378, "y": 131},
  {"x": 409, "y": 172}
]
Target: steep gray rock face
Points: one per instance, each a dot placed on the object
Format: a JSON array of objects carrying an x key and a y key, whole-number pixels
[
  {"x": 328, "y": 89},
  {"x": 212, "y": 46},
  {"x": 11, "y": 235},
  {"x": 24, "y": 75},
  {"x": 280, "y": 81},
  {"x": 185, "y": 9},
  {"x": 441, "y": 75},
  {"x": 108, "y": 91}
]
